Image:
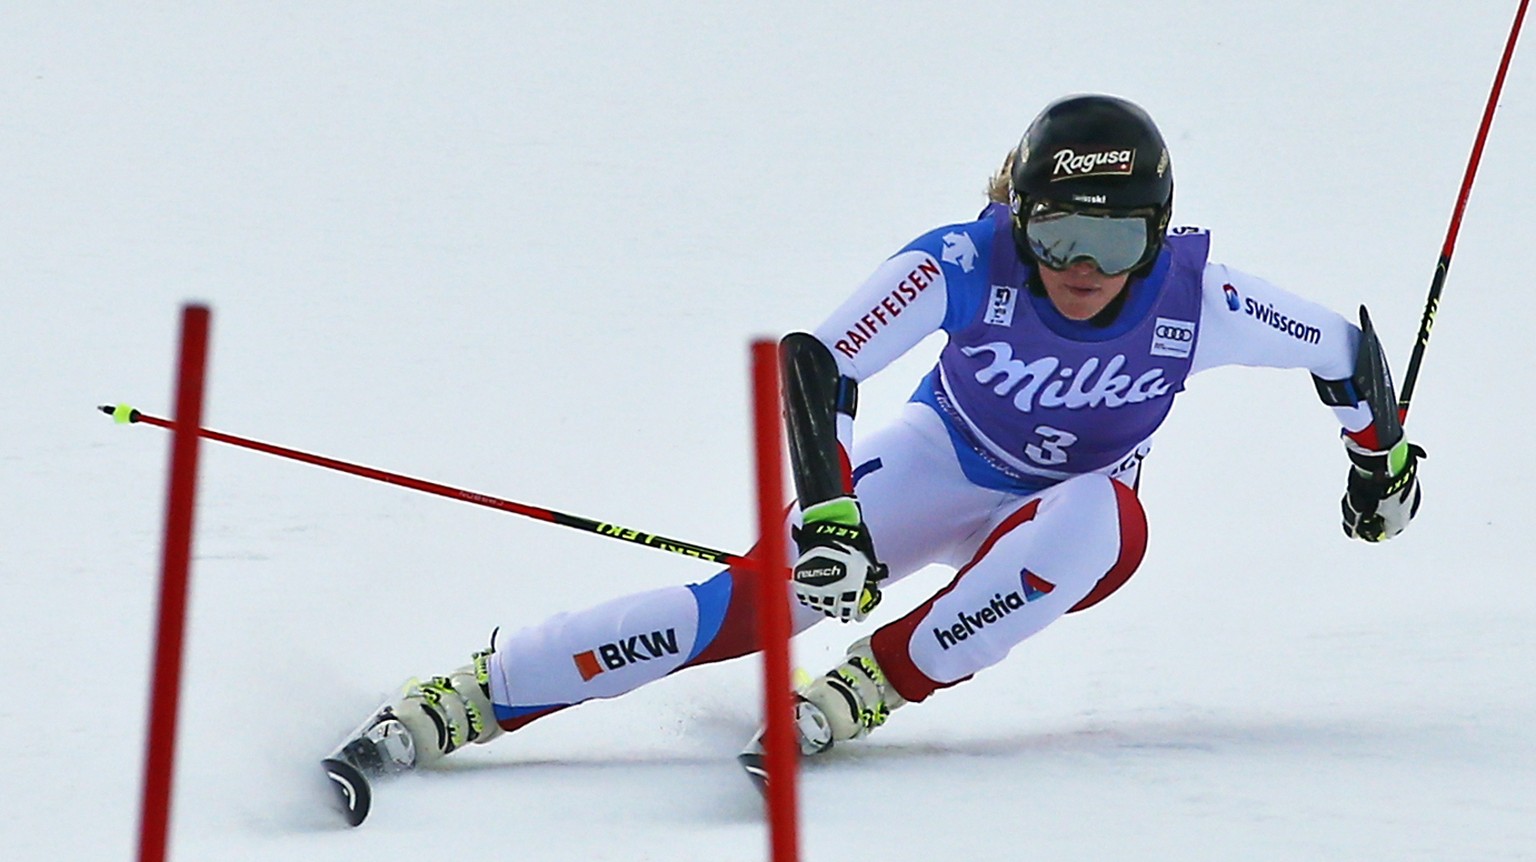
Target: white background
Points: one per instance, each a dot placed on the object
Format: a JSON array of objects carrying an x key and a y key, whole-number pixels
[{"x": 520, "y": 248}]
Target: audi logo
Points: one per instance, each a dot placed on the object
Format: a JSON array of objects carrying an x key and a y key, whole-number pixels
[{"x": 1175, "y": 333}]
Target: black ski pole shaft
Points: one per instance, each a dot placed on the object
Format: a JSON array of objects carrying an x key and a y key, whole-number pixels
[
  {"x": 125, "y": 414},
  {"x": 1437, "y": 284}
]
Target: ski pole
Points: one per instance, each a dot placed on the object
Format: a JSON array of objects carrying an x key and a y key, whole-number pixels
[
  {"x": 123, "y": 414},
  {"x": 1444, "y": 265}
]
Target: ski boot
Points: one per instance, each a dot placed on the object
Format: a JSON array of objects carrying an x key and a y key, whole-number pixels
[
  {"x": 846, "y": 703},
  {"x": 425, "y": 722}
]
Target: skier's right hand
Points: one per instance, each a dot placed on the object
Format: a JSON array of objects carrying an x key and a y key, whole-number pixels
[{"x": 836, "y": 572}]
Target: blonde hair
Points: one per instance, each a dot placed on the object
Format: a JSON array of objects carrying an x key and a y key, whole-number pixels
[{"x": 1002, "y": 181}]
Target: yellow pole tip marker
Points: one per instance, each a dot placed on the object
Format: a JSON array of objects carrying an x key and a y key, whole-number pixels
[{"x": 123, "y": 414}]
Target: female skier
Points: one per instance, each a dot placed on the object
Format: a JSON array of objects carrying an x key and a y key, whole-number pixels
[{"x": 1074, "y": 316}]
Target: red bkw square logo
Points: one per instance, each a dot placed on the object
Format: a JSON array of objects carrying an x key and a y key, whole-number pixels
[{"x": 586, "y": 664}]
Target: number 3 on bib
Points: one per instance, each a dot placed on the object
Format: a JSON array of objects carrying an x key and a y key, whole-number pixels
[{"x": 1052, "y": 448}]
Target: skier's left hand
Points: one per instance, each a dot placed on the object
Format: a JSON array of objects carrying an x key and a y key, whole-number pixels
[
  {"x": 837, "y": 572},
  {"x": 1382, "y": 494}
]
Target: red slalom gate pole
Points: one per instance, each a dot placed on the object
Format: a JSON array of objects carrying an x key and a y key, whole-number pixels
[
  {"x": 159, "y": 760},
  {"x": 772, "y": 578}
]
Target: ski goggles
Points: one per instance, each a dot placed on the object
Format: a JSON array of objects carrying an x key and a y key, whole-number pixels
[{"x": 1116, "y": 243}]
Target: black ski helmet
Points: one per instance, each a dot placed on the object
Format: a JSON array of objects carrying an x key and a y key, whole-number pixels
[{"x": 1096, "y": 155}]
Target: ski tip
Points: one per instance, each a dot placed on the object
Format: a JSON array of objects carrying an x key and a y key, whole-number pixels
[
  {"x": 353, "y": 796},
  {"x": 753, "y": 764}
]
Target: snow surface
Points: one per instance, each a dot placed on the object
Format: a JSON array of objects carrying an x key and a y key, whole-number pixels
[{"x": 520, "y": 248}]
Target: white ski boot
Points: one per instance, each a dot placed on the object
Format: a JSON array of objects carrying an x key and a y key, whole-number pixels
[
  {"x": 846, "y": 703},
  {"x": 426, "y": 721}
]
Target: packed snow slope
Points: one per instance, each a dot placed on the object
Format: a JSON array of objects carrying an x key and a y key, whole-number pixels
[{"x": 521, "y": 247}]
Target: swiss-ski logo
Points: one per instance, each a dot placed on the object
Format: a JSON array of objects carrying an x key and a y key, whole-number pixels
[{"x": 626, "y": 651}]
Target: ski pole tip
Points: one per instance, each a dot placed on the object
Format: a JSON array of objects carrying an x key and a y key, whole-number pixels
[{"x": 122, "y": 414}]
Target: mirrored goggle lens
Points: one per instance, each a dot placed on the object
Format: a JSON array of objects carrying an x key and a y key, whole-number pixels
[{"x": 1115, "y": 243}]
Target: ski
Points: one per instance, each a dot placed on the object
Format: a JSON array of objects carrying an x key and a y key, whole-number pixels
[
  {"x": 379, "y": 746},
  {"x": 753, "y": 761},
  {"x": 813, "y": 736},
  {"x": 353, "y": 796}
]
